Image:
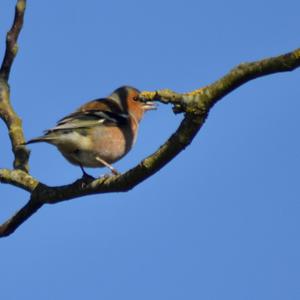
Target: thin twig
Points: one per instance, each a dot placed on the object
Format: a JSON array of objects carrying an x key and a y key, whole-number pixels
[{"x": 11, "y": 39}]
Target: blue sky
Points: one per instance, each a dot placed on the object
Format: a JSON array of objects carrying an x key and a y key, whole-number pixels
[{"x": 221, "y": 221}]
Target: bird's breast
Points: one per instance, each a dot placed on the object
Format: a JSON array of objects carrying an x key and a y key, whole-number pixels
[{"x": 110, "y": 143}]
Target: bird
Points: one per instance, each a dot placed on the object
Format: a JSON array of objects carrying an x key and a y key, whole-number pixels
[{"x": 101, "y": 131}]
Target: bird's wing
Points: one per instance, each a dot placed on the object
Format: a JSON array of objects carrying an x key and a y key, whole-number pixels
[{"x": 92, "y": 114}]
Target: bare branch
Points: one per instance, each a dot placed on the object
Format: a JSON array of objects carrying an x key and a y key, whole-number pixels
[
  {"x": 44, "y": 194},
  {"x": 196, "y": 106},
  {"x": 19, "y": 179},
  {"x": 20, "y": 217},
  {"x": 14, "y": 126},
  {"x": 204, "y": 98},
  {"x": 11, "y": 39},
  {"x": 242, "y": 74},
  {"x": 7, "y": 113}
]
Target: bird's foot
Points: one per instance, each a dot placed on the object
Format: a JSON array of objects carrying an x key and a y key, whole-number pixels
[
  {"x": 85, "y": 176},
  {"x": 115, "y": 172},
  {"x": 86, "y": 179},
  {"x": 109, "y": 175}
]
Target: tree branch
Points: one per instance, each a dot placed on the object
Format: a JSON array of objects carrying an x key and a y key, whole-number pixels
[
  {"x": 201, "y": 100},
  {"x": 11, "y": 40},
  {"x": 43, "y": 194},
  {"x": 195, "y": 105},
  {"x": 19, "y": 179},
  {"x": 7, "y": 113},
  {"x": 20, "y": 217}
]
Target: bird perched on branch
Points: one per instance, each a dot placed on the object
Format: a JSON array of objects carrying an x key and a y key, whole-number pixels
[{"x": 100, "y": 132}]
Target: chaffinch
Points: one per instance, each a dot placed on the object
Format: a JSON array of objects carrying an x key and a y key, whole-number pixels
[{"x": 100, "y": 132}]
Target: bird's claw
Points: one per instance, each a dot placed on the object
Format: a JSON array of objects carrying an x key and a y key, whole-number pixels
[{"x": 86, "y": 179}]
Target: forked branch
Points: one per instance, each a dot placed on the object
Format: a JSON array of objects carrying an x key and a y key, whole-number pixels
[{"x": 195, "y": 106}]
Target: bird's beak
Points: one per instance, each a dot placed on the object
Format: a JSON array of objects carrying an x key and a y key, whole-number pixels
[{"x": 149, "y": 105}]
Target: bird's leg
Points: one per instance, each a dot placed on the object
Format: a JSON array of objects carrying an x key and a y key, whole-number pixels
[
  {"x": 85, "y": 176},
  {"x": 106, "y": 164}
]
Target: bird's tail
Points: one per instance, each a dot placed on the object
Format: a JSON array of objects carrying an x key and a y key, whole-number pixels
[{"x": 40, "y": 139}]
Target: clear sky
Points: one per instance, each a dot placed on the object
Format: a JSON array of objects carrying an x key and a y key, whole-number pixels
[{"x": 221, "y": 221}]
